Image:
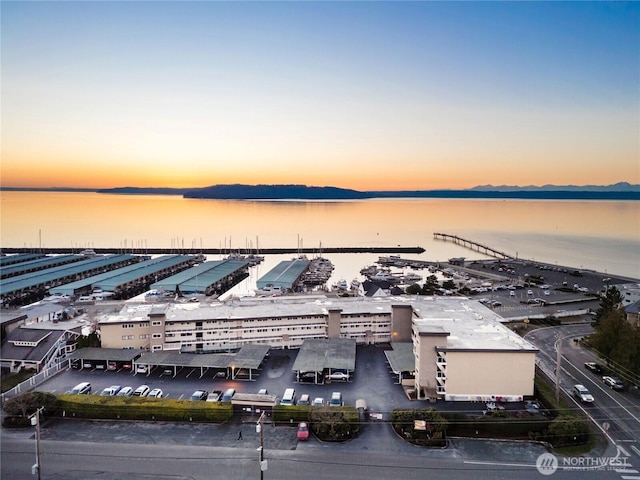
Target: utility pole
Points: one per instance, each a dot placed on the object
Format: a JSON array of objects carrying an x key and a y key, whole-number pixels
[
  {"x": 260, "y": 430},
  {"x": 35, "y": 421},
  {"x": 558, "y": 367}
]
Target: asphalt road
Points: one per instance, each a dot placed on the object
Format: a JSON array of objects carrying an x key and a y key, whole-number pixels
[
  {"x": 616, "y": 414},
  {"x": 377, "y": 453}
]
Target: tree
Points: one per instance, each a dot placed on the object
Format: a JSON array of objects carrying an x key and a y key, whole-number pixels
[
  {"x": 449, "y": 284},
  {"x": 568, "y": 430},
  {"x": 27, "y": 403},
  {"x": 430, "y": 286},
  {"x": 413, "y": 289},
  {"x": 91, "y": 340},
  {"x": 609, "y": 302}
]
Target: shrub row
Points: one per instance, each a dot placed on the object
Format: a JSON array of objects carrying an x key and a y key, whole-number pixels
[{"x": 136, "y": 408}]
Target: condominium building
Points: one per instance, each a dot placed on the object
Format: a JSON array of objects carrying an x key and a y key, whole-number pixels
[{"x": 460, "y": 349}]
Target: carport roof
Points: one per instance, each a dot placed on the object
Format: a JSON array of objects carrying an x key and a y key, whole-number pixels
[
  {"x": 115, "y": 354},
  {"x": 401, "y": 358},
  {"x": 334, "y": 353},
  {"x": 249, "y": 356}
]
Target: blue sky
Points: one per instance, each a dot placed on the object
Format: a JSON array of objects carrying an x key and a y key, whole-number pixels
[{"x": 364, "y": 95}]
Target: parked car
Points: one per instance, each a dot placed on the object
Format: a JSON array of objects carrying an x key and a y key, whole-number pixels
[
  {"x": 318, "y": 402},
  {"x": 336, "y": 399},
  {"x": 214, "y": 396},
  {"x": 304, "y": 399},
  {"x": 338, "y": 376},
  {"x": 83, "y": 388},
  {"x": 303, "y": 431},
  {"x": 593, "y": 366},
  {"x": 263, "y": 391},
  {"x": 199, "y": 395},
  {"x": 141, "y": 391},
  {"x": 613, "y": 382},
  {"x": 125, "y": 392},
  {"x": 156, "y": 393},
  {"x": 111, "y": 391},
  {"x": 581, "y": 392}
]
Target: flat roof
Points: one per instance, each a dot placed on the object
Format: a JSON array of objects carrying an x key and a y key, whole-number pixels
[
  {"x": 470, "y": 324},
  {"x": 318, "y": 354}
]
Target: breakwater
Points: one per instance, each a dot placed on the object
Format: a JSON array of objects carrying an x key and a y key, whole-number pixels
[{"x": 219, "y": 251}]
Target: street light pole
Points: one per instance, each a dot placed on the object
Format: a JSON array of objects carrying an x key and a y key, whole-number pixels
[
  {"x": 35, "y": 421},
  {"x": 260, "y": 430},
  {"x": 558, "y": 367}
]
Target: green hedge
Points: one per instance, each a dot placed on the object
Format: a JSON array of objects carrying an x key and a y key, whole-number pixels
[
  {"x": 136, "y": 408},
  {"x": 291, "y": 413},
  {"x": 497, "y": 425}
]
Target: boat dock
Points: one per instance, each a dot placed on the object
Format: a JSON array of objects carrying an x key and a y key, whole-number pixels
[{"x": 479, "y": 247}]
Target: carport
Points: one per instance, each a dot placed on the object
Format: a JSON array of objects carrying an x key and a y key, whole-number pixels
[
  {"x": 241, "y": 365},
  {"x": 401, "y": 360},
  {"x": 325, "y": 355},
  {"x": 103, "y": 356}
]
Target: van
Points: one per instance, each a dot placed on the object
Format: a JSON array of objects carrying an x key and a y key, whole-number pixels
[
  {"x": 228, "y": 395},
  {"x": 83, "y": 388},
  {"x": 336, "y": 399},
  {"x": 289, "y": 397}
]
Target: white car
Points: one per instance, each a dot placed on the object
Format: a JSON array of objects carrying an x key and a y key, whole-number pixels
[
  {"x": 125, "y": 392},
  {"x": 338, "y": 376},
  {"x": 141, "y": 391},
  {"x": 318, "y": 402},
  {"x": 155, "y": 393},
  {"x": 582, "y": 393}
]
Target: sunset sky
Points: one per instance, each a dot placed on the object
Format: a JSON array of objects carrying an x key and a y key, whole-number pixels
[{"x": 363, "y": 95}]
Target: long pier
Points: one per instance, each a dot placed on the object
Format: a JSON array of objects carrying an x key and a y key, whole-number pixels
[
  {"x": 218, "y": 251},
  {"x": 491, "y": 252}
]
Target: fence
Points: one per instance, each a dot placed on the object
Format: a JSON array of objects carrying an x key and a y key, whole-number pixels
[{"x": 34, "y": 381}]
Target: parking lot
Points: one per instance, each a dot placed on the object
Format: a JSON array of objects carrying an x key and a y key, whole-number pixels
[{"x": 371, "y": 381}]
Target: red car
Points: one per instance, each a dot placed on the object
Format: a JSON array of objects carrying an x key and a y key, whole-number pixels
[{"x": 303, "y": 431}]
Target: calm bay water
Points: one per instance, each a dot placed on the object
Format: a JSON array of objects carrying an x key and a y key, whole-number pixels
[{"x": 598, "y": 235}]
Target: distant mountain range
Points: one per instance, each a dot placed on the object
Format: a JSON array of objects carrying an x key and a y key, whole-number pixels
[
  {"x": 617, "y": 187},
  {"x": 618, "y": 191}
]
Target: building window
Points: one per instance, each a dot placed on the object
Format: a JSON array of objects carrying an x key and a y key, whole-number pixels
[
  {"x": 156, "y": 335},
  {"x": 156, "y": 323},
  {"x": 128, "y": 337},
  {"x": 155, "y": 348}
]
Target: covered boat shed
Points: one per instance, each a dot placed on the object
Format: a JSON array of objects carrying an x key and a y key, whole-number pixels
[
  {"x": 48, "y": 279},
  {"x": 285, "y": 275},
  {"x": 206, "y": 278}
]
